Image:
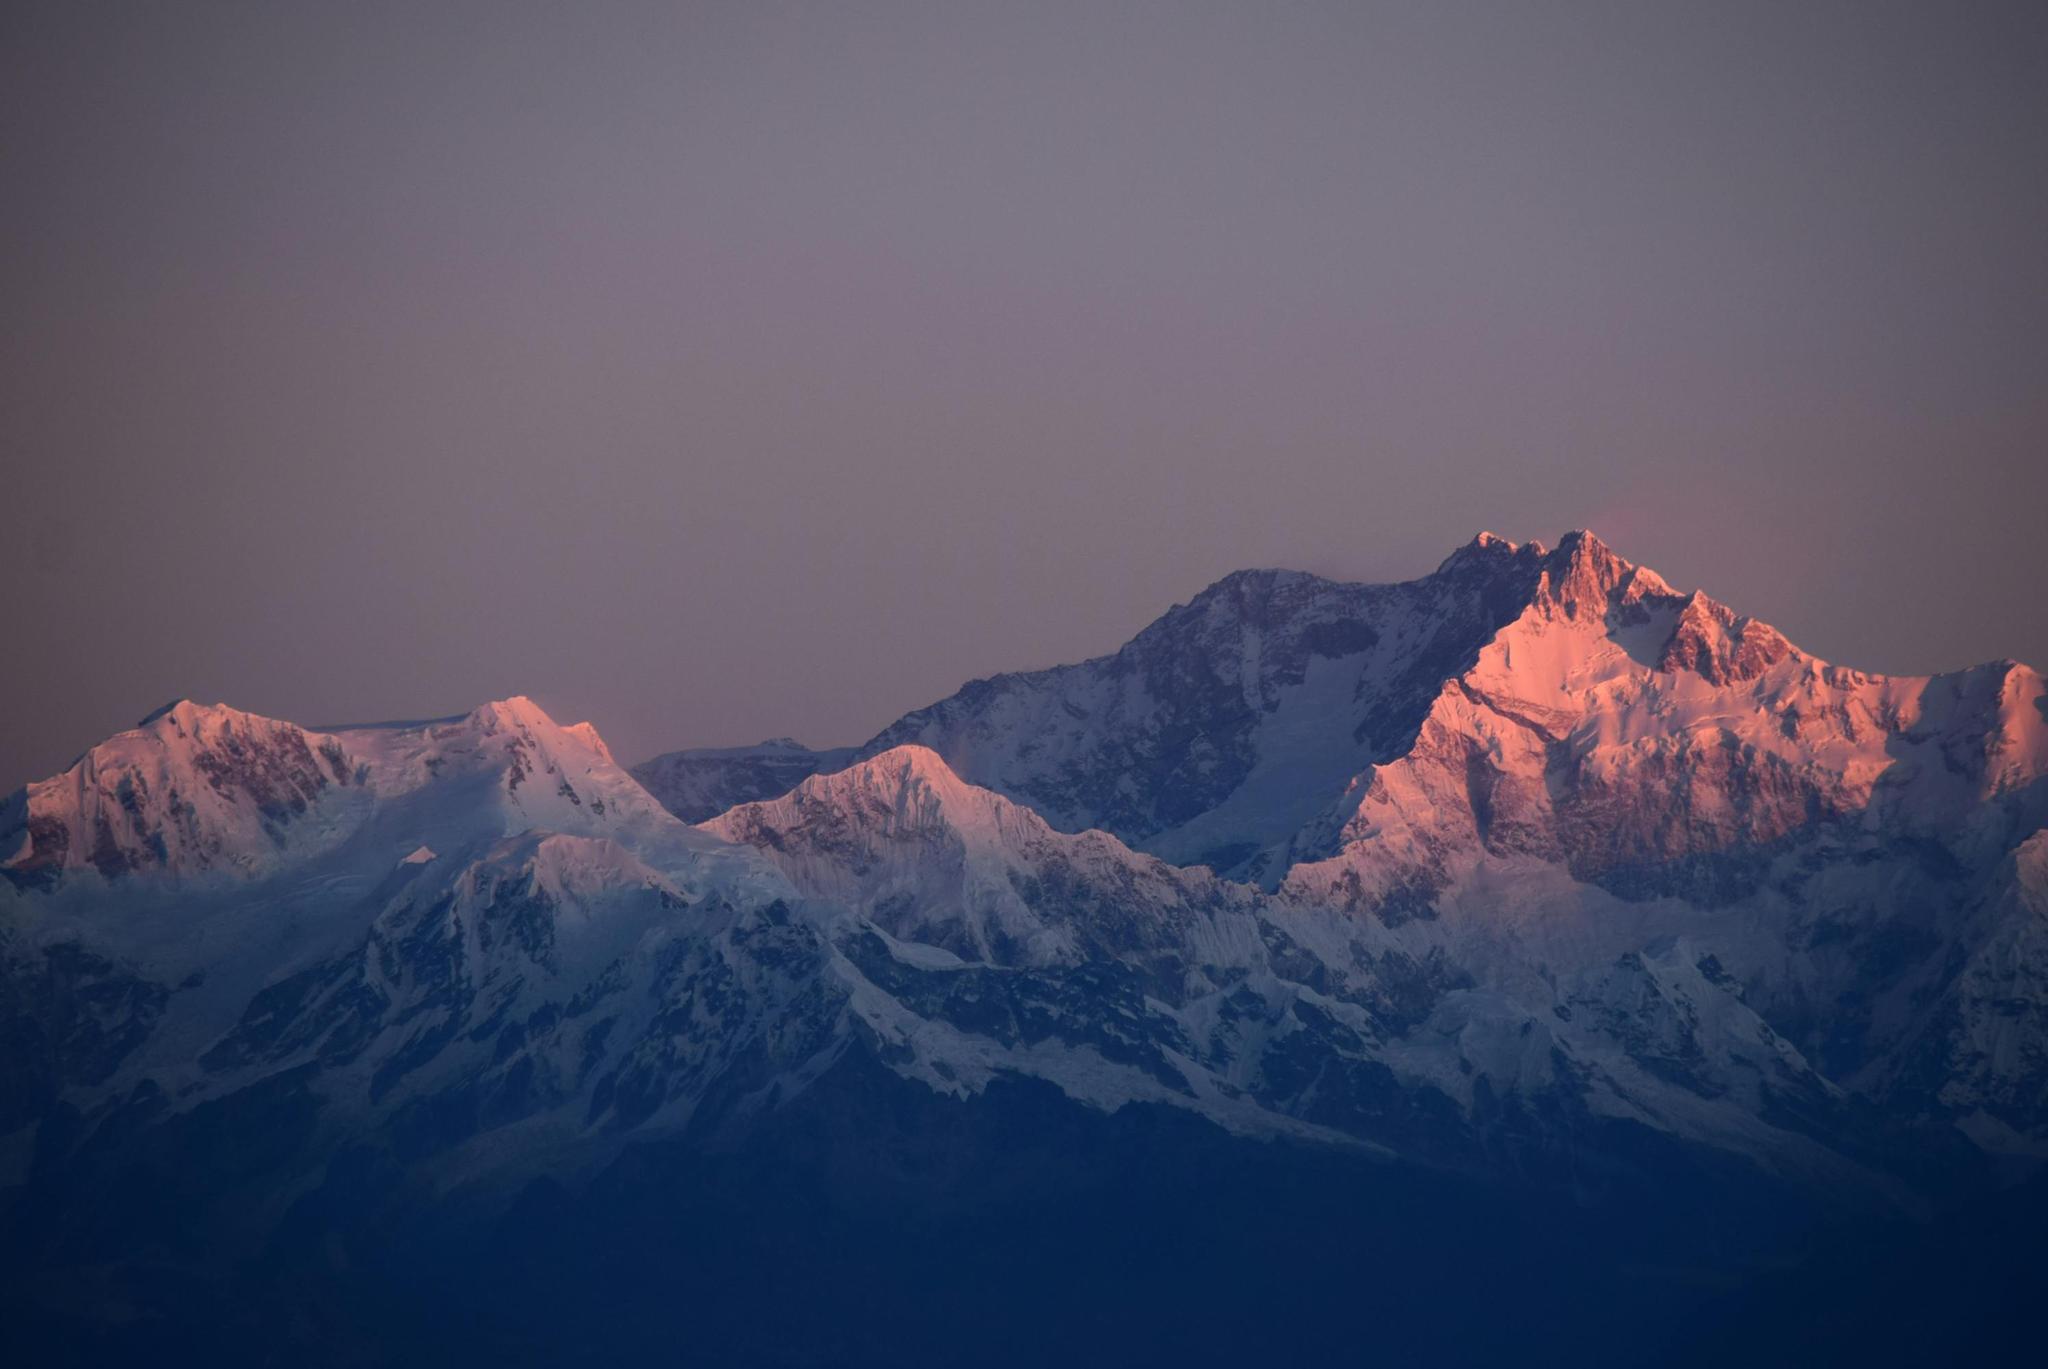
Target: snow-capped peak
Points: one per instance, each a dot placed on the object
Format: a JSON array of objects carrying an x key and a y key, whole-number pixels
[
  {"x": 1581, "y": 578},
  {"x": 904, "y": 840},
  {"x": 205, "y": 788},
  {"x": 586, "y": 733},
  {"x": 906, "y": 789},
  {"x": 1489, "y": 549},
  {"x": 515, "y": 711},
  {"x": 1710, "y": 640},
  {"x": 192, "y": 787}
]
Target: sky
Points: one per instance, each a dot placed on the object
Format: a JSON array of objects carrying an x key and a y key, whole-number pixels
[{"x": 717, "y": 372}]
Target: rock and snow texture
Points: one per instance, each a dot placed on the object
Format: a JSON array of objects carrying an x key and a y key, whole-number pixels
[
  {"x": 481, "y": 912},
  {"x": 1559, "y": 730},
  {"x": 1247, "y": 729},
  {"x": 200, "y": 790},
  {"x": 1216, "y": 736},
  {"x": 191, "y": 788},
  {"x": 1491, "y": 861},
  {"x": 702, "y": 783},
  {"x": 901, "y": 841},
  {"x": 1222, "y": 733},
  {"x": 1104, "y": 969}
]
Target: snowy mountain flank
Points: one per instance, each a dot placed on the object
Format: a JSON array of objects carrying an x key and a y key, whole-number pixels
[
  {"x": 1533, "y": 868},
  {"x": 1533, "y": 769}
]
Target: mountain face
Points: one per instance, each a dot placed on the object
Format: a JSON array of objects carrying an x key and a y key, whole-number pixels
[
  {"x": 1220, "y": 735},
  {"x": 1534, "y": 872},
  {"x": 1106, "y": 969},
  {"x": 196, "y": 791},
  {"x": 702, "y": 783}
]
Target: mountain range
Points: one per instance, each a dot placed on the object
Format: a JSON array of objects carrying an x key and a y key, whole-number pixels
[{"x": 1573, "y": 901}]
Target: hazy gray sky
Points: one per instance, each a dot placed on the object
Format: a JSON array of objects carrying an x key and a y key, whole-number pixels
[{"x": 720, "y": 371}]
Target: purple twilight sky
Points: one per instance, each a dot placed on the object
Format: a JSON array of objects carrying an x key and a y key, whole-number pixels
[{"x": 722, "y": 371}]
